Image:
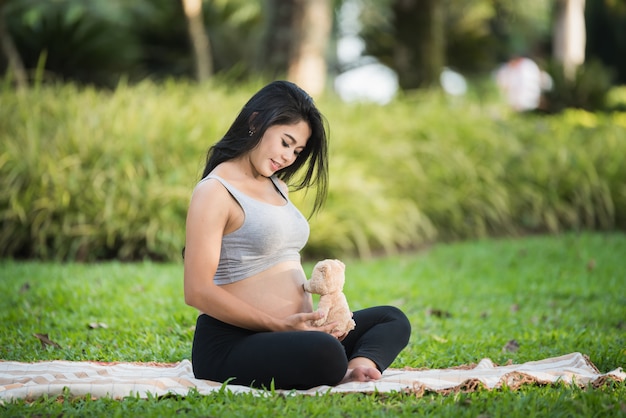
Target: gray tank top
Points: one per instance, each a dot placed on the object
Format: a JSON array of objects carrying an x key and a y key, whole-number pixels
[{"x": 270, "y": 234}]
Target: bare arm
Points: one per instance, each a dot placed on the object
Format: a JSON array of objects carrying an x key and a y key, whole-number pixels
[{"x": 212, "y": 213}]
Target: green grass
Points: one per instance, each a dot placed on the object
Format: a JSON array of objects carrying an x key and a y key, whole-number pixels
[{"x": 553, "y": 295}]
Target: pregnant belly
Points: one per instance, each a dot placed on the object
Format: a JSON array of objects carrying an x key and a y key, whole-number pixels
[{"x": 277, "y": 291}]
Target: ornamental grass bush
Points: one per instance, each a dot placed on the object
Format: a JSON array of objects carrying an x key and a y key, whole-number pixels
[{"x": 88, "y": 174}]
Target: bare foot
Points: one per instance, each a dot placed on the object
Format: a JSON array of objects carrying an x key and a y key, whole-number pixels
[{"x": 361, "y": 374}]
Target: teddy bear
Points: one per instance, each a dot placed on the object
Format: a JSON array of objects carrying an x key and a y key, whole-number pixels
[{"x": 327, "y": 280}]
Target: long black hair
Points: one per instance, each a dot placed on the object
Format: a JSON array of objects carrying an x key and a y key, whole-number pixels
[{"x": 279, "y": 103}]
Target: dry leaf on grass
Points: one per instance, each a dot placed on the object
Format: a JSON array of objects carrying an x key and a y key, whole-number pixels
[
  {"x": 511, "y": 346},
  {"x": 439, "y": 313},
  {"x": 591, "y": 264},
  {"x": 46, "y": 341}
]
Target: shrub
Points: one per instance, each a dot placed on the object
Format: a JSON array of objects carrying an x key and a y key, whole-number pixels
[
  {"x": 587, "y": 90},
  {"x": 88, "y": 175}
]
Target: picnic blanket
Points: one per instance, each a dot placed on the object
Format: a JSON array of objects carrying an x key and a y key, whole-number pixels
[{"x": 20, "y": 380}]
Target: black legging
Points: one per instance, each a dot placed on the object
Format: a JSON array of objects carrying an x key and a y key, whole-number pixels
[{"x": 295, "y": 359}]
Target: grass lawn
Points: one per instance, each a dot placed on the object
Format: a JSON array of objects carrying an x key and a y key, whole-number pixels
[{"x": 553, "y": 295}]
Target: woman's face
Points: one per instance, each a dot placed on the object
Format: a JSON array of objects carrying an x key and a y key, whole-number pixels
[{"x": 279, "y": 147}]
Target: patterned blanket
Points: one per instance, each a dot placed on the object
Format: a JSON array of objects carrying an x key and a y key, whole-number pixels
[{"x": 117, "y": 380}]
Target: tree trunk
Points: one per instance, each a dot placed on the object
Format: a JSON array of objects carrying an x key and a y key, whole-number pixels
[
  {"x": 419, "y": 54},
  {"x": 199, "y": 39},
  {"x": 311, "y": 28},
  {"x": 273, "y": 53},
  {"x": 10, "y": 51},
  {"x": 569, "y": 36}
]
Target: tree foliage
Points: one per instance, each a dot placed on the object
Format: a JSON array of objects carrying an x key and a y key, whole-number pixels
[
  {"x": 474, "y": 36},
  {"x": 83, "y": 41},
  {"x": 101, "y": 41},
  {"x": 606, "y": 35}
]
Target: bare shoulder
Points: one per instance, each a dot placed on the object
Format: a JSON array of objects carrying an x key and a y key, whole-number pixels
[
  {"x": 212, "y": 197},
  {"x": 209, "y": 187}
]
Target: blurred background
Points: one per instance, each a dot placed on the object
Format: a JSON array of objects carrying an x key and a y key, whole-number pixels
[
  {"x": 449, "y": 119},
  {"x": 360, "y": 49}
]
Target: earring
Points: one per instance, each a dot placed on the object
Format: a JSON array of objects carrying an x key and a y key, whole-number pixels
[{"x": 250, "y": 132}]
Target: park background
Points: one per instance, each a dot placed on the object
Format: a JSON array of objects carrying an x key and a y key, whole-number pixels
[
  {"x": 107, "y": 110},
  {"x": 499, "y": 233}
]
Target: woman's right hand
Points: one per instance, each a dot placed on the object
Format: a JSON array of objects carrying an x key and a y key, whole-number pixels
[{"x": 304, "y": 322}]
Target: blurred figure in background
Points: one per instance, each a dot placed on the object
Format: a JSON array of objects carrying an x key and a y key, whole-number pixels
[{"x": 522, "y": 82}]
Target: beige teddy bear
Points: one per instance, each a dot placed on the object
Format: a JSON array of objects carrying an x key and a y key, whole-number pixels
[{"x": 327, "y": 281}]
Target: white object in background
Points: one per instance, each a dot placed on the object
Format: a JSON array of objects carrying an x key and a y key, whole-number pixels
[{"x": 368, "y": 83}]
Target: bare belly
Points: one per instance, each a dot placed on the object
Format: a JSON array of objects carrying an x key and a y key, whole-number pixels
[{"x": 277, "y": 291}]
